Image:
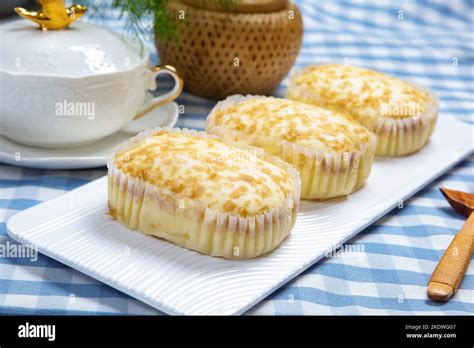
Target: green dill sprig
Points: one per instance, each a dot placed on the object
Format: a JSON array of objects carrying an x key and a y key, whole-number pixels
[{"x": 145, "y": 17}]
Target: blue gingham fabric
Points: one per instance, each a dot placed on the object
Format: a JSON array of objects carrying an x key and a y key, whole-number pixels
[{"x": 430, "y": 43}]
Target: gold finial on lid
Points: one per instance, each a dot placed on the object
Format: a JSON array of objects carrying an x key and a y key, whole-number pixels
[{"x": 53, "y": 14}]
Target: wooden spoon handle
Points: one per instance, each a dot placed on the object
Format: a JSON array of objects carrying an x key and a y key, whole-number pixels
[{"x": 451, "y": 268}]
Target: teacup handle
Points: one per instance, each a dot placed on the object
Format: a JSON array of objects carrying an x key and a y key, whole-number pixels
[{"x": 165, "y": 98}]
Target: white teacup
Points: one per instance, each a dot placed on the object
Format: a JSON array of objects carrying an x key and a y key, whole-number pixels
[{"x": 72, "y": 87}]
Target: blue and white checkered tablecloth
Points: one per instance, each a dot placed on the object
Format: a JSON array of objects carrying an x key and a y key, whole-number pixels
[{"x": 430, "y": 43}]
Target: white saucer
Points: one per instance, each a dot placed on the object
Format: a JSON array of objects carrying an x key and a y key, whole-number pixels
[{"x": 89, "y": 156}]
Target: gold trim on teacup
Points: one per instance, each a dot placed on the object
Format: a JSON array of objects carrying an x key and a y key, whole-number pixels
[{"x": 158, "y": 103}]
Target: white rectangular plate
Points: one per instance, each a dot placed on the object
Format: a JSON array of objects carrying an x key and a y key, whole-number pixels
[{"x": 75, "y": 229}]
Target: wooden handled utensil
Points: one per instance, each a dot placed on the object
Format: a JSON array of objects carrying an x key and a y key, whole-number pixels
[{"x": 451, "y": 268}]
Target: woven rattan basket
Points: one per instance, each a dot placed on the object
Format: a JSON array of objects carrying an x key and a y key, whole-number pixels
[{"x": 246, "y": 50}]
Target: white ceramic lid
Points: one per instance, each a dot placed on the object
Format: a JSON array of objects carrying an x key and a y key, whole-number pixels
[{"x": 83, "y": 49}]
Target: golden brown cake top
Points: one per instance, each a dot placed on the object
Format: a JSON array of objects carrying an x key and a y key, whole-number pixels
[
  {"x": 219, "y": 175},
  {"x": 359, "y": 92},
  {"x": 295, "y": 122}
]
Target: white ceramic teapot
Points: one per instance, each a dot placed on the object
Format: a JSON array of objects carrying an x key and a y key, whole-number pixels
[{"x": 63, "y": 88}]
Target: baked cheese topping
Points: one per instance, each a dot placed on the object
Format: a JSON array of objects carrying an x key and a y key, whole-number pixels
[
  {"x": 361, "y": 93},
  {"x": 221, "y": 176},
  {"x": 295, "y": 122}
]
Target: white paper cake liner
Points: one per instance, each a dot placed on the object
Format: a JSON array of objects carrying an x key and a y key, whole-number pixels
[
  {"x": 395, "y": 136},
  {"x": 402, "y": 136},
  {"x": 323, "y": 175},
  {"x": 144, "y": 207}
]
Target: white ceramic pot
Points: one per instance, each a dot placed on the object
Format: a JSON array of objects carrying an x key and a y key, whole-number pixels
[{"x": 63, "y": 88}]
